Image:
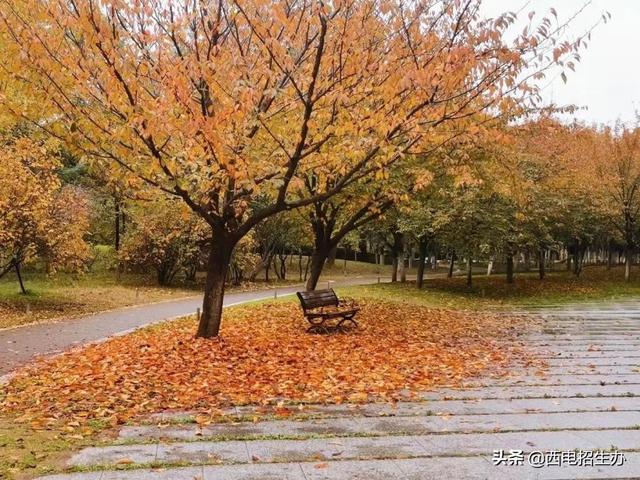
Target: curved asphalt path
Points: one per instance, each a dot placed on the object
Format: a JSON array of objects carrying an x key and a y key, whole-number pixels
[{"x": 21, "y": 345}]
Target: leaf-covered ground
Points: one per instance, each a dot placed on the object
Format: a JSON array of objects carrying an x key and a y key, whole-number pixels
[{"x": 264, "y": 355}]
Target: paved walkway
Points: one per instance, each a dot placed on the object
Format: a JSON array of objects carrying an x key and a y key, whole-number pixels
[
  {"x": 20, "y": 345},
  {"x": 588, "y": 400}
]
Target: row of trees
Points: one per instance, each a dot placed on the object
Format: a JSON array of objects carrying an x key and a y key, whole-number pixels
[{"x": 246, "y": 110}]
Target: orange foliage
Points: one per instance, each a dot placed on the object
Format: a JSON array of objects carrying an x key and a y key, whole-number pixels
[{"x": 265, "y": 355}]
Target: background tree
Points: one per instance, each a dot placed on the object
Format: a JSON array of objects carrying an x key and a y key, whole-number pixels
[
  {"x": 39, "y": 217},
  {"x": 164, "y": 236}
]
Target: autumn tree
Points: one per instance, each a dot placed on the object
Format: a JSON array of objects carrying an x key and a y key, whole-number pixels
[
  {"x": 39, "y": 217},
  {"x": 216, "y": 102},
  {"x": 617, "y": 157},
  {"x": 332, "y": 219},
  {"x": 165, "y": 236}
]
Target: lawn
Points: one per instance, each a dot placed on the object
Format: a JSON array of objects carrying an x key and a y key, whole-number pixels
[{"x": 560, "y": 287}]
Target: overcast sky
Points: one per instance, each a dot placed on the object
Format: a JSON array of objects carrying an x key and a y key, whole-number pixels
[{"x": 607, "y": 80}]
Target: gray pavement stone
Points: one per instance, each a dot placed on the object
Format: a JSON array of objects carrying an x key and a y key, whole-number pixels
[
  {"x": 328, "y": 449},
  {"x": 110, "y": 455},
  {"x": 258, "y": 471},
  {"x": 75, "y": 476},
  {"x": 390, "y": 425},
  {"x": 203, "y": 452},
  {"x": 540, "y": 391},
  {"x": 470, "y": 407},
  {"x": 181, "y": 473}
]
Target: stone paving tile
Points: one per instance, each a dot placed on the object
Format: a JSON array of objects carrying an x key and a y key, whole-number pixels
[
  {"x": 74, "y": 476},
  {"x": 471, "y": 407},
  {"x": 258, "y": 471},
  {"x": 613, "y": 370},
  {"x": 182, "y": 473},
  {"x": 586, "y": 356},
  {"x": 203, "y": 452},
  {"x": 328, "y": 449},
  {"x": 389, "y": 425},
  {"x": 520, "y": 391},
  {"x": 109, "y": 455},
  {"x": 566, "y": 379},
  {"x": 354, "y": 470},
  {"x": 595, "y": 360},
  {"x": 480, "y": 443}
]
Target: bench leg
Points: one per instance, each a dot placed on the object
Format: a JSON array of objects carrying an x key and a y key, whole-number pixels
[
  {"x": 318, "y": 328},
  {"x": 347, "y": 319}
]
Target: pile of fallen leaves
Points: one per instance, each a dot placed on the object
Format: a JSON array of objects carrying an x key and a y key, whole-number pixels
[{"x": 264, "y": 355}]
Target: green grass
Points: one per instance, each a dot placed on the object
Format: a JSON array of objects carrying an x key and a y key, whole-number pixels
[{"x": 595, "y": 283}]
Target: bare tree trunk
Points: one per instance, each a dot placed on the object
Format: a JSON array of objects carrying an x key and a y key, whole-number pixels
[
  {"x": 19, "y": 275},
  {"x": 331, "y": 257},
  {"x": 541, "y": 272},
  {"x": 509, "y": 268},
  {"x": 423, "y": 256},
  {"x": 452, "y": 260},
  {"x": 402, "y": 267},
  {"x": 627, "y": 264},
  {"x": 217, "y": 268},
  {"x": 318, "y": 260},
  {"x": 306, "y": 268},
  {"x": 609, "y": 257},
  {"x": 469, "y": 272},
  {"x": 117, "y": 224},
  {"x": 394, "y": 269},
  {"x": 300, "y": 265}
]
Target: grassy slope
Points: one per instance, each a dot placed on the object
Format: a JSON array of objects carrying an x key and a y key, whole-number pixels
[{"x": 596, "y": 283}]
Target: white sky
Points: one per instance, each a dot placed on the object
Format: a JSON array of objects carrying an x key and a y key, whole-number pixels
[{"x": 607, "y": 80}]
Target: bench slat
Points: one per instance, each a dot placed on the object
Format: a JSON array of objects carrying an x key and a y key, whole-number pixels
[{"x": 318, "y": 298}]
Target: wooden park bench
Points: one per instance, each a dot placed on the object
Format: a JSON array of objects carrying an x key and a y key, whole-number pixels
[{"x": 325, "y": 312}]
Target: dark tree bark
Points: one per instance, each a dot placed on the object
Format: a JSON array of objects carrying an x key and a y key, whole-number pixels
[
  {"x": 318, "y": 259},
  {"x": 509, "y": 268},
  {"x": 527, "y": 261},
  {"x": 217, "y": 268},
  {"x": 422, "y": 250},
  {"x": 19, "y": 275},
  {"x": 451, "y": 262},
  {"x": 628, "y": 252},
  {"x": 117, "y": 225},
  {"x": 331, "y": 257},
  {"x": 578, "y": 253},
  {"x": 469, "y": 272},
  {"x": 396, "y": 251},
  {"x": 541, "y": 271},
  {"x": 300, "y": 265},
  {"x": 609, "y": 257}
]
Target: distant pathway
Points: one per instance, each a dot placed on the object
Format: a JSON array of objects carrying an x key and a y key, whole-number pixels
[
  {"x": 20, "y": 345},
  {"x": 587, "y": 401}
]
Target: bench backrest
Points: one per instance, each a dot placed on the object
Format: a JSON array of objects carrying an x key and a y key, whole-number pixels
[{"x": 318, "y": 298}]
